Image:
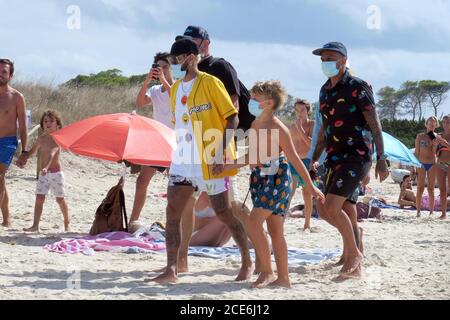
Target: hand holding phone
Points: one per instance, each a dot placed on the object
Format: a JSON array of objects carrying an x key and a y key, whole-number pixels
[
  {"x": 432, "y": 135},
  {"x": 155, "y": 66}
]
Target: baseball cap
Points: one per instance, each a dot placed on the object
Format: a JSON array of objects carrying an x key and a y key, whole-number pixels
[
  {"x": 332, "y": 46},
  {"x": 184, "y": 46},
  {"x": 195, "y": 32}
]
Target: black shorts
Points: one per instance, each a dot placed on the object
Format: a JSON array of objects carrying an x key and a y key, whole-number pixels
[{"x": 343, "y": 179}]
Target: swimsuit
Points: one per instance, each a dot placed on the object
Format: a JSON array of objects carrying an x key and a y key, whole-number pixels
[
  {"x": 270, "y": 186},
  {"x": 53, "y": 181},
  {"x": 427, "y": 166},
  {"x": 8, "y": 147},
  {"x": 300, "y": 181}
]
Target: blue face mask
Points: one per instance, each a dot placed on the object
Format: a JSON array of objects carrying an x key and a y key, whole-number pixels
[
  {"x": 329, "y": 69},
  {"x": 254, "y": 108},
  {"x": 177, "y": 73}
]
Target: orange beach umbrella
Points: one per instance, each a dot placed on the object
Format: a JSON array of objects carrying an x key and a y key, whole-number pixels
[{"x": 117, "y": 137}]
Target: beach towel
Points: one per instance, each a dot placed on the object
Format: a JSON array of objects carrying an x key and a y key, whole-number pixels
[
  {"x": 296, "y": 257},
  {"x": 140, "y": 242}
]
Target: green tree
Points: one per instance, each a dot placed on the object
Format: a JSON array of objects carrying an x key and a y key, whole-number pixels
[
  {"x": 413, "y": 98},
  {"x": 435, "y": 93},
  {"x": 388, "y": 105}
]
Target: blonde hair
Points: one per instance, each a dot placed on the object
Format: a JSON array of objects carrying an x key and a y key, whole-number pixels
[
  {"x": 273, "y": 90},
  {"x": 433, "y": 118}
]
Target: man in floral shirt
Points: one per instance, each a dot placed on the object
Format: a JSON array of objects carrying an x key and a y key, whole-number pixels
[{"x": 350, "y": 127}]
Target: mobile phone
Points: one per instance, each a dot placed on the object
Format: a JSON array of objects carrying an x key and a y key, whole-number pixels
[
  {"x": 155, "y": 66},
  {"x": 432, "y": 135}
]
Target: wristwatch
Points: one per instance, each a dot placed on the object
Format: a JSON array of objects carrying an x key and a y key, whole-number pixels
[
  {"x": 25, "y": 152},
  {"x": 381, "y": 157}
]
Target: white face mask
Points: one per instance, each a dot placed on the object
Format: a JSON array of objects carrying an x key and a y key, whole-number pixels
[
  {"x": 177, "y": 73},
  {"x": 330, "y": 69},
  {"x": 254, "y": 108}
]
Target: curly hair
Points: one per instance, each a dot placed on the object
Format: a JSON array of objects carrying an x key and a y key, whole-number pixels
[
  {"x": 273, "y": 90},
  {"x": 52, "y": 114}
]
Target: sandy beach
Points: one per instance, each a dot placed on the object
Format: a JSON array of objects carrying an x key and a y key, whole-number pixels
[{"x": 406, "y": 258}]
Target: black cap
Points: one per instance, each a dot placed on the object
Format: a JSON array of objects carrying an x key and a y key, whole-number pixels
[
  {"x": 332, "y": 46},
  {"x": 184, "y": 46},
  {"x": 194, "y": 32}
]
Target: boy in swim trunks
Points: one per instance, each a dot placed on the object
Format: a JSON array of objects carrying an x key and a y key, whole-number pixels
[
  {"x": 270, "y": 182},
  {"x": 12, "y": 117},
  {"x": 51, "y": 177},
  {"x": 301, "y": 133}
]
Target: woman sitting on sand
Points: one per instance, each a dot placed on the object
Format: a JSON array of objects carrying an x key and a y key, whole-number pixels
[{"x": 209, "y": 231}]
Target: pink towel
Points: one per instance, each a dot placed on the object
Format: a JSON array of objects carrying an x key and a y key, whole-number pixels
[
  {"x": 113, "y": 241},
  {"x": 426, "y": 203}
]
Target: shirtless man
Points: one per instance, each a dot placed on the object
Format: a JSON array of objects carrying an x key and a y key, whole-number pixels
[
  {"x": 407, "y": 198},
  {"x": 12, "y": 116},
  {"x": 301, "y": 133}
]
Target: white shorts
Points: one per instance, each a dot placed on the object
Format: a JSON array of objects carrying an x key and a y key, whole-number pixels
[
  {"x": 53, "y": 182},
  {"x": 212, "y": 187}
]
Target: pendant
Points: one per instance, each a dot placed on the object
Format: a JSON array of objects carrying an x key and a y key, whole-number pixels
[
  {"x": 184, "y": 100},
  {"x": 185, "y": 119}
]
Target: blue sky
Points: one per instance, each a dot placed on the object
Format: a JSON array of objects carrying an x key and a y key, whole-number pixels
[{"x": 264, "y": 39}]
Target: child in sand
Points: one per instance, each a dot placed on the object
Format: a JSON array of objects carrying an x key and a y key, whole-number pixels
[
  {"x": 51, "y": 175},
  {"x": 270, "y": 145}
]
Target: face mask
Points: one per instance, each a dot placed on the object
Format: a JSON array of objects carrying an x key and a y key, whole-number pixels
[
  {"x": 177, "y": 73},
  {"x": 329, "y": 69},
  {"x": 254, "y": 108}
]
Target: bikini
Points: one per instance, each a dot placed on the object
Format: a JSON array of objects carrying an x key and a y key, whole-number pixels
[{"x": 426, "y": 166}]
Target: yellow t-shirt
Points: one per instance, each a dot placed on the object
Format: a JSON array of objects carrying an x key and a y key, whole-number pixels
[{"x": 209, "y": 106}]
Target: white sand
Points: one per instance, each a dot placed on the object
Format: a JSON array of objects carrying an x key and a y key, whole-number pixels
[{"x": 406, "y": 258}]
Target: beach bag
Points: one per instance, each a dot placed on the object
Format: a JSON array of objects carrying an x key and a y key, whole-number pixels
[
  {"x": 363, "y": 212},
  {"x": 111, "y": 215}
]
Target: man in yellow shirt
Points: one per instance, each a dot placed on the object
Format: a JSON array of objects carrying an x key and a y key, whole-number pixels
[{"x": 205, "y": 120}]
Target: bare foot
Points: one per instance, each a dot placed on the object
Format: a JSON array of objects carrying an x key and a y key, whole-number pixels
[
  {"x": 6, "y": 224},
  {"x": 340, "y": 262},
  {"x": 245, "y": 273},
  {"x": 351, "y": 264},
  {"x": 67, "y": 228},
  {"x": 183, "y": 266},
  {"x": 264, "y": 280},
  {"x": 180, "y": 270},
  {"x": 285, "y": 283},
  {"x": 344, "y": 277},
  {"x": 443, "y": 217},
  {"x": 418, "y": 215},
  {"x": 165, "y": 278},
  {"x": 32, "y": 229}
]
